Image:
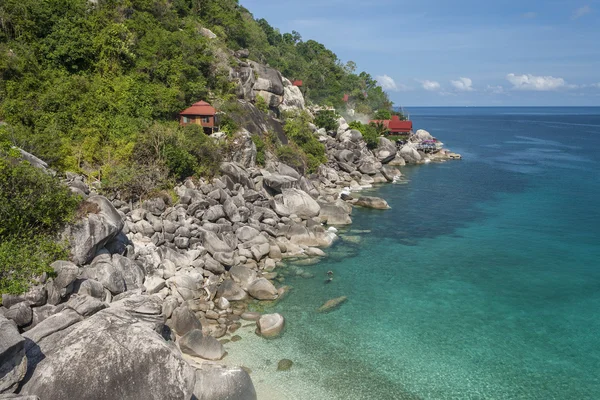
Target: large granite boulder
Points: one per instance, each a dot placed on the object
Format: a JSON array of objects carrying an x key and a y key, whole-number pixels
[
  {"x": 111, "y": 355},
  {"x": 13, "y": 362},
  {"x": 218, "y": 382},
  {"x": 292, "y": 97},
  {"x": 277, "y": 182},
  {"x": 351, "y": 135},
  {"x": 335, "y": 213},
  {"x": 262, "y": 289},
  {"x": 243, "y": 150},
  {"x": 386, "y": 150},
  {"x": 421, "y": 135},
  {"x": 91, "y": 233},
  {"x": 270, "y": 325},
  {"x": 268, "y": 79},
  {"x": 300, "y": 203},
  {"x": 195, "y": 343},
  {"x": 410, "y": 154},
  {"x": 62, "y": 284},
  {"x": 237, "y": 173},
  {"x": 372, "y": 202}
]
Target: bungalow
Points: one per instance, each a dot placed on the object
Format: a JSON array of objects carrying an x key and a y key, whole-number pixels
[
  {"x": 395, "y": 126},
  {"x": 200, "y": 113},
  {"x": 297, "y": 82}
]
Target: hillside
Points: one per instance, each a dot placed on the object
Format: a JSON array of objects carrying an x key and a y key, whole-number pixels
[{"x": 86, "y": 85}]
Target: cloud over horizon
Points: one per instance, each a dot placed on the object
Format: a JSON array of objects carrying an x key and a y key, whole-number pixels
[
  {"x": 531, "y": 82},
  {"x": 431, "y": 86},
  {"x": 463, "y": 85}
]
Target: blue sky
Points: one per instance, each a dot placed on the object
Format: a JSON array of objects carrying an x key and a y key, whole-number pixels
[{"x": 461, "y": 52}]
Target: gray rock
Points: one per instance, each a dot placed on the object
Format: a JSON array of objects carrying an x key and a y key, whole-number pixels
[
  {"x": 333, "y": 214},
  {"x": 188, "y": 286},
  {"x": 259, "y": 251},
  {"x": 268, "y": 80},
  {"x": 218, "y": 382},
  {"x": 61, "y": 285},
  {"x": 421, "y": 135},
  {"x": 214, "y": 213},
  {"x": 85, "y": 305},
  {"x": 246, "y": 233},
  {"x": 155, "y": 206},
  {"x": 350, "y": 136},
  {"x": 242, "y": 275},
  {"x": 20, "y": 313},
  {"x": 132, "y": 359},
  {"x": 231, "y": 291},
  {"x": 372, "y": 202},
  {"x": 270, "y": 325},
  {"x": 262, "y": 289},
  {"x": 238, "y": 174},
  {"x": 154, "y": 284},
  {"x": 196, "y": 344},
  {"x": 91, "y": 233},
  {"x": 278, "y": 182},
  {"x": 300, "y": 203},
  {"x": 89, "y": 287},
  {"x": 184, "y": 321},
  {"x": 213, "y": 244},
  {"x": 410, "y": 154},
  {"x": 35, "y": 296},
  {"x": 386, "y": 150},
  {"x": 53, "y": 324},
  {"x": 13, "y": 362},
  {"x": 390, "y": 172}
]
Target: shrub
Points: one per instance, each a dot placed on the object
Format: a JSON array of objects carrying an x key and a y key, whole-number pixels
[
  {"x": 327, "y": 119},
  {"x": 261, "y": 104},
  {"x": 298, "y": 131},
  {"x": 260, "y": 149},
  {"x": 293, "y": 156},
  {"x": 32, "y": 201},
  {"x": 134, "y": 181},
  {"x": 22, "y": 259},
  {"x": 369, "y": 132}
]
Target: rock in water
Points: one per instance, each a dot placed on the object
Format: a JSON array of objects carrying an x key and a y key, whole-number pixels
[
  {"x": 332, "y": 304},
  {"x": 217, "y": 382},
  {"x": 284, "y": 365},
  {"x": 270, "y": 325},
  {"x": 372, "y": 202},
  {"x": 112, "y": 355}
]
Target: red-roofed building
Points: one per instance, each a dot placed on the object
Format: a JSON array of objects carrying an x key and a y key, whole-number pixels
[
  {"x": 200, "y": 113},
  {"x": 297, "y": 82},
  {"x": 346, "y": 98},
  {"x": 395, "y": 125}
]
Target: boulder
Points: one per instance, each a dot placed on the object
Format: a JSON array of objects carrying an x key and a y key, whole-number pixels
[
  {"x": 184, "y": 321},
  {"x": 91, "y": 233},
  {"x": 246, "y": 233},
  {"x": 332, "y": 304},
  {"x": 410, "y": 154},
  {"x": 422, "y": 135},
  {"x": 386, "y": 150},
  {"x": 372, "y": 202},
  {"x": 61, "y": 285},
  {"x": 345, "y": 156},
  {"x": 85, "y": 305},
  {"x": 20, "y": 313},
  {"x": 270, "y": 325},
  {"x": 131, "y": 358},
  {"x": 35, "y": 296},
  {"x": 213, "y": 244},
  {"x": 351, "y": 135},
  {"x": 197, "y": 344},
  {"x": 277, "y": 182},
  {"x": 342, "y": 126},
  {"x": 262, "y": 289},
  {"x": 243, "y": 276},
  {"x": 53, "y": 324},
  {"x": 218, "y": 382},
  {"x": 268, "y": 79},
  {"x": 300, "y": 203},
  {"x": 13, "y": 362},
  {"x": 155, "y": 206},
  {"x": 231, "y": 291},
  {"x": 293, "y": 99},
  {"x": 333, "y": 214}
]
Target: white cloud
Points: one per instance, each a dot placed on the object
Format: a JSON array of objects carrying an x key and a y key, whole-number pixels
[
  {"x": 463, "y": 85},
  {"x": 596, "y": 85},
  {"x": 387, "y": 82},
  {"x": 581, "y": 11},
  {"x": 537, "y": 83},
  {"x": 431, "y": 86},
  {"x": 495, "y": 89}
]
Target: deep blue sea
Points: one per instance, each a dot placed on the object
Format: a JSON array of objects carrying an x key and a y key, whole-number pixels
[{"x": 481, "y": 282}]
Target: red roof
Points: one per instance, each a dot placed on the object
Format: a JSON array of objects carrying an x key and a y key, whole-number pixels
[
  {"x": 199, "y": 108},
  {"x": 297, "y": 83},
  {"x": 346, "y": 98},
  {"x": 395, "y": 125}
]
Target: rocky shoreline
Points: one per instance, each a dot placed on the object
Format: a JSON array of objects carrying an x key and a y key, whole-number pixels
[{"x": 152, "y": 287}]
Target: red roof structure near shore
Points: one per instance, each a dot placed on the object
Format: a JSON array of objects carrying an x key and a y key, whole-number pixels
[
  {"x": 297, "y": 82},
  {"x": 395, "y": 125},
  {"x": 199, "y": 108}
]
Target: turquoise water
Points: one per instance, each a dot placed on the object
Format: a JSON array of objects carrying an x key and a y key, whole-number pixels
[{"x": 481, "y": 282}]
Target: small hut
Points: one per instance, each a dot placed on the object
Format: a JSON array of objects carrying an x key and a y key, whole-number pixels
[{"x": 200, "y": 113}]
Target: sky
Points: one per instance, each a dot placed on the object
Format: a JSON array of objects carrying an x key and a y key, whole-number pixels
[{"x": 460, "y": 52}]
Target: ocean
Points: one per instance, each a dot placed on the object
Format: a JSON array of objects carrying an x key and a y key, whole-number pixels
[{"x": 481, "y": 282}]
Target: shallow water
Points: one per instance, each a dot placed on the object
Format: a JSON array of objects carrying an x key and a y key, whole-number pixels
[{"x": 481, "y": 282}]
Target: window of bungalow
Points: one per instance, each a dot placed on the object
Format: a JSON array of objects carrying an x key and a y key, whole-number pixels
[
  {"x": 186, "y": 120},
  {"x": 206, "y": 119}
]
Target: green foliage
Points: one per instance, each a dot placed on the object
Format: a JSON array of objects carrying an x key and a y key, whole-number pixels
[
  {"x": 260, "y": 149},
  {"x": 369, "y": 132},
  {"x": 298, "y": 131},
  {"x": 293, "y": 156},
  {"x": 261, "y": 104},
  {"x": 382, "y": 115},
  {"x": 31, "y": 201},
  {"x": 327, "y": 119},
  {"x": 24, "y": 258}
]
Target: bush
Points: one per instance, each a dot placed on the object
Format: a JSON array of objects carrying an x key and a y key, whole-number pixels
[
  {"x": 32, "y": 201},
  {"x": 134, "y": 181},
  {"x": 261, "y": 104},
  {"x": 327, "y": 119},
  {"x": 293, "y": 156},
  {"x": 369, "y": 132},
  {"x": 260, "y": 149},
  {"x": 23, "y": 259},
  {"x": 298, "y": 131}
]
